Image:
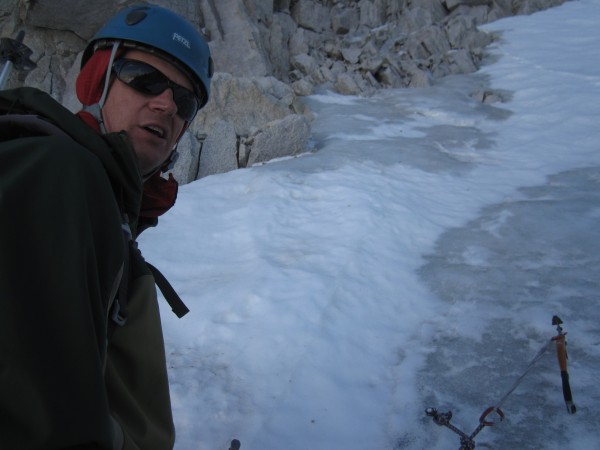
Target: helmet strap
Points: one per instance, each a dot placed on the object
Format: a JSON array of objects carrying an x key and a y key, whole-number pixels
[
  {"x": 111, "y": 60},
  {"x": 96, "y": 109}
]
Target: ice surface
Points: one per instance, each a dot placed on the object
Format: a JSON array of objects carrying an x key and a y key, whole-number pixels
[{"x": 413, "y": 260}]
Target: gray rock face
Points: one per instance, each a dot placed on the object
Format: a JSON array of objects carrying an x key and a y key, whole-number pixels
[
  {"x": 219, "y": 151},
  {"x": 267, "y": 54}
]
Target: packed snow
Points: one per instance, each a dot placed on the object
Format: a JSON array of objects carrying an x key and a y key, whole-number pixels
[{"x": 413, "y": 259}]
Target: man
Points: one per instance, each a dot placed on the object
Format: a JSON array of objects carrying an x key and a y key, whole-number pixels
[{"x": 82, "y": 363}]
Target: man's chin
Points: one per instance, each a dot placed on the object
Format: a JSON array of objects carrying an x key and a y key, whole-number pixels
[
  {"x": 148, "y": 172},
  {"x": 150, "y": 160}
]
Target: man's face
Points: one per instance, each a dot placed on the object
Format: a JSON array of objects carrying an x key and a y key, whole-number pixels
[{"x": 150, "y": 121}]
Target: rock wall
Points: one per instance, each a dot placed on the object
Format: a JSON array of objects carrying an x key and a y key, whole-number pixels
[{"x": 267, "y": 54}]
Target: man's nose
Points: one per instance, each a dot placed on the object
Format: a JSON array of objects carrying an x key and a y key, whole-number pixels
[{"x": 164, "y": 102}]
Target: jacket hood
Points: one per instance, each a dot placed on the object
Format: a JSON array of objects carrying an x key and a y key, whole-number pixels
[{"x": 113, "y": 150}]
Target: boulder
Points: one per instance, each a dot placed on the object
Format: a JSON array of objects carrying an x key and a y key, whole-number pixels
[
  {"x": 460, "y": 61},
  {"x": 303, "y": 87},
  {"x": 311, "y": 15},
  {"x": 247, "y": 103},
  {"x": 351, "y": 55},
  {"x": 462, "y": 32},
  {"x": 428, "y": 41},
  {"x": 390, "y": 74},
  {"x": 344, "y": 20},
  {"x": 219, "y": 150},
  {"x": 417, "y": 77},
  {"x": 347, "y": 84},
  {"x": 284, "y": 137},
  {"x": 426, "y": 12},
  {"x": 304, "y": 63}
]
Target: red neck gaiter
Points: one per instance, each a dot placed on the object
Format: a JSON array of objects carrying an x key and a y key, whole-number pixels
[{"x": 159, "y": 194}]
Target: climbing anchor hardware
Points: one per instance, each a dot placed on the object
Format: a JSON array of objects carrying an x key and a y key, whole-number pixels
[
  {"x": 13, "y": 53},
  {"x": 467, "y": 441}
]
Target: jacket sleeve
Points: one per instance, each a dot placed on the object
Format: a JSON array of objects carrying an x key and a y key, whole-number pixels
[{"x": 61, "y": 252}]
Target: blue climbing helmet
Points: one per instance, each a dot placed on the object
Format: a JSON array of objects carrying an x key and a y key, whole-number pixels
[{"x": 161, "y": 31}]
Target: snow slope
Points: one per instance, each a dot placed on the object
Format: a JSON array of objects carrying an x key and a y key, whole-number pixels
[{"x": 414, "y": 260}]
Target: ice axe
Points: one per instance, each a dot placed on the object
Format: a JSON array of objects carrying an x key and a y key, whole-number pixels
[
  {"x": 13, "y": 53},
  {"x": 561, "y": 352}
]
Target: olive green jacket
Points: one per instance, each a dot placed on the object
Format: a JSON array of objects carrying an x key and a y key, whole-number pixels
[{"x": 64, "y": 191}]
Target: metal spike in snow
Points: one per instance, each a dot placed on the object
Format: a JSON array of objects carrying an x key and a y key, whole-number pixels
[{"x": 13, "y": 53}]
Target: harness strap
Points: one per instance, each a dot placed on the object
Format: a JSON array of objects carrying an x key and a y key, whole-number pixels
[
  {"x": 174, "y": 301},
  {"x": 120, "y": 311}
]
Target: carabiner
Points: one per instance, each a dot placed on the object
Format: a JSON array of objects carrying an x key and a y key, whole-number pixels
[{"x": 487, "y": 412}]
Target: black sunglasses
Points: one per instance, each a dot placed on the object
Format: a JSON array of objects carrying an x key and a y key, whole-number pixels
[{"x": 150, "y": 81}]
